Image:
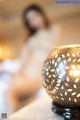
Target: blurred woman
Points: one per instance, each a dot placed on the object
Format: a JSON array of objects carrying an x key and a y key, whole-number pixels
[{"x": 41, "y": 41}]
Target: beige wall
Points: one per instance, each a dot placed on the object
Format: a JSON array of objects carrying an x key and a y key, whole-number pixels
[{"x": 70, "y": 30}]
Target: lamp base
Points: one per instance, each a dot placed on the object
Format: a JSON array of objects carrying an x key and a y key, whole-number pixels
[{"x": 68, "y": 113}]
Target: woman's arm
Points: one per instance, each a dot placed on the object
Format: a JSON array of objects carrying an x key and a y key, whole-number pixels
[{"x": 23, "y": 84}]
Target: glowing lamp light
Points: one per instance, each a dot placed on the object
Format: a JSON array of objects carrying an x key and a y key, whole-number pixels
[
  {"x": 75, "y": 72},
  {"x": 61, "y": 79}
]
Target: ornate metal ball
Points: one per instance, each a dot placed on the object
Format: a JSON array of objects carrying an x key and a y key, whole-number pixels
[{"x": 61, "y": 75}]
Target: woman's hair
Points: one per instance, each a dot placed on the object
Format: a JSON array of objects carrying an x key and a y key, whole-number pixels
[{"x": 26, "y": 22}]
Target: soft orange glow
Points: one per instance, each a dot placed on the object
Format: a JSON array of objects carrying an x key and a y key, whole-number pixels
[
  {"x": 71, "y": 46},
  {"x": 1, "y": 52},
  {"x": 73, "y": 67},
  {"x": 75, "y": 72},
  {"x": 5, "y": 52}
]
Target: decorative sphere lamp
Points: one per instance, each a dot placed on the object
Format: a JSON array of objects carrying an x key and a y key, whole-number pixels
[{"x": 61, "y": 79}]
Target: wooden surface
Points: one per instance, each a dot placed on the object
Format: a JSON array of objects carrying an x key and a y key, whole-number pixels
[{"x": 38, "y": 110}]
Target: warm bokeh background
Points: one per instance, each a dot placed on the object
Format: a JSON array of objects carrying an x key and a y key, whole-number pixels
[{"x": 12, "y": 31}]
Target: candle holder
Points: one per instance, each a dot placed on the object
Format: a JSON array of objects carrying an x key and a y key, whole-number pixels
[{"x": 61, "y": 79}]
